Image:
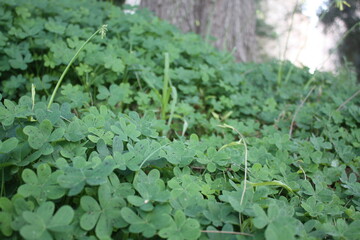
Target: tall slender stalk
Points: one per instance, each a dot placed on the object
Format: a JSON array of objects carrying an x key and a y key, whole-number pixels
[
  {"x": 165, "y": 90},
  {"x": 102, "y": 30},
  {"x": 297, "y": 111},
  {"x": 243, "y": 140},
  {"x": 280, "y": 70}
]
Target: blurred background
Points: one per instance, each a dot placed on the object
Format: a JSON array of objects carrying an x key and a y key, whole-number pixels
[{"x": 319, "y": 34}]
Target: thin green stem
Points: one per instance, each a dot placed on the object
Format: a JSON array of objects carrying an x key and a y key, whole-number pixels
[
  {"x": 2, "y": 193},
  {"x": 165, "y": 90},
  {"x": 280, "y": 70},
  {"x": 297, "y": 111},
  {"x": 151, "y": 154},
  {"x": 102, "y": 31},
  {"x": 242, "y": 139}
]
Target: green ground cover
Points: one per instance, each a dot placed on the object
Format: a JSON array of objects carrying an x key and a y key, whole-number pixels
[{"x": 153, "y": 133}]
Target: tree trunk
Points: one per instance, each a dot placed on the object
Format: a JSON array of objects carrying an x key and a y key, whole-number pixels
[{"x": 231, "y": 22}]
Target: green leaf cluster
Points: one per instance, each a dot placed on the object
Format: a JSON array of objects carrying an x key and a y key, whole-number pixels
[{"x": 113, "y": 159}]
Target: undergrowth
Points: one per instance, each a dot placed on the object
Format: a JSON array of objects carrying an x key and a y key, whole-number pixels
[{"x": 151, "y": 133}]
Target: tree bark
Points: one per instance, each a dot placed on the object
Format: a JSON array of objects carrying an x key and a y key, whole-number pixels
[{"x": 231, "y": 22}]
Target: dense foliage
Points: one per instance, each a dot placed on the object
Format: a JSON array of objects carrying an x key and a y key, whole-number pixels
[{"x": 153, "y": 132}]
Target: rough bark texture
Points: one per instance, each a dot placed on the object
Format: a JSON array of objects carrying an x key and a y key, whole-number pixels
[{"x": 231, "y": 22}]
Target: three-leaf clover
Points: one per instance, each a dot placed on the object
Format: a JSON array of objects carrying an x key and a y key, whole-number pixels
[
  {"x": 212, "y": 158},
  {"x": 10, "y": 110},
  {"x": 42, "y": 185},
  {"x": 280, "y": 224},
  {"x": 75, "y": 131},
  {"x": 116, "y": 94},
  {"x": 41, "y": 136},
  {"x": 319, "y": 143},
  {"x": 234, "y": 197},
  {"x": 351, "y": 184},
  {"x": 74, "y": 177},
  {"x": 146, "y": 124},
  {"x": 148, "y": 223},
  {"x": 125, "y": 130},
  {"x": 313, "y": 207},
  {"x": 100, "y": 134},
  {"x": 219, "y": 213},
  {"x": 177, "y": 153},
  {"x": 181, "y": 228},
  {"x": 42, "y": 222},
  {"x": 114, "y": 63},
  {"x": 105, "y": 214},
  {"x": 151, "y": 188},
  {"x": 143, "y": 151}
]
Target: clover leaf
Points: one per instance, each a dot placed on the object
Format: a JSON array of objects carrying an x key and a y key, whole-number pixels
[
  {"x": 42, "y": 185},
  {"x": 148, "y": 223},
  {"x": 142, "y": 152},
  {"x": 75, "y": 131},
  {"x": 8, "y": 145},
  {"x": 75, "y": 95},
  {"x": 10, "y": 111},
  {"x": 181, "y": 228},
  {"x": 178, "y": 154},
  {"x": 105, "y": 214},
  {"x": 72, "y": 150},
  {"x": 55, "y": 26},
  {"x": 116, "y": 94},
  {"x": 212, "y": 158},
  {"x": 74, "y": 177},
  {"x": 120, "y": 189},
  {"x": 219, "y": 214},
  {"x": 98, "y": 134},
  {"x": 351, "y": 184},
  {"x": 6, "y": 216},
  {"x": 279, "y": 221},
  {"x": 53, "y": 114},
  {"x": 43, "y": 83},
  {"x": 313, "y": 207},
  {"x": 41, "y": 223},
  {"x": 114, "y": 63},
  {"x": 125, "y": 130},
  {"x": 146, "y": 125},
  {"x": 93, "y": 120},
  {"x": 19, "y": 55},
  {"x": 261, "y": 219},
  {"x": 117, "y": 150},
  {"x": 320, "y": 192},
  {"x": 151, "y": 188},
  {"x": 7, "y": 112},
  {"x": 234, "y": 197},
  {"x": 319, "y": 143},
  {"x": 39, "y": 137},
  {"x": 186, "y": 194}
]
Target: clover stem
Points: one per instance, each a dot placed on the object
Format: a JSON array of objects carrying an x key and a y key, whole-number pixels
[{"x": 2, "y": 193}]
